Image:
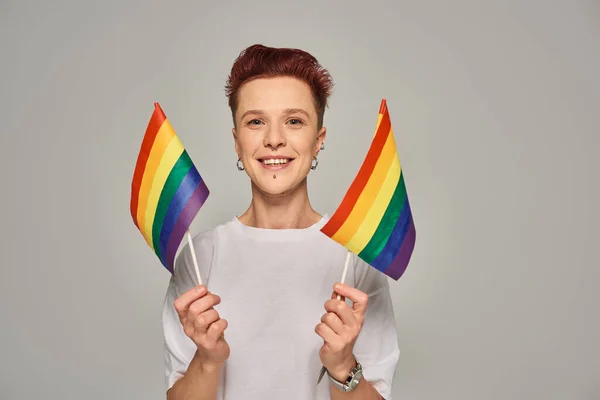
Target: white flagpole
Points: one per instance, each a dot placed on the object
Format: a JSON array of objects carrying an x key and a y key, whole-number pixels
[
  {"x": 189, "y": 238},
  {"x": 345, "y": 270},
  {"x": 339, "y": 297}
]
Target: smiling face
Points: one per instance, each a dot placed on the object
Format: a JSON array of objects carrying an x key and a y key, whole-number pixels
[{"x": 277, "y": 133}]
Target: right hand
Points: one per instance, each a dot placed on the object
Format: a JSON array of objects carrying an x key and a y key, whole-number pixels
[{"x": 202, "y": 323}]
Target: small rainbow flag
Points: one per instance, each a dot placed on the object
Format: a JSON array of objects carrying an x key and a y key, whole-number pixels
[
  {"x": 166, "y": 191},
  {"x": 374, "y": 219}
]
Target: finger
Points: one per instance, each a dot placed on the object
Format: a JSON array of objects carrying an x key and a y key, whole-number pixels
[
  {"x": 183, "y": 302},
  {"x": 203, "y": 320},
  {"x": 328, "y": 335},
  {"x": 202, "y": 305},
  {"x": 216, "y": 330},
  {"x": 359, "y": 298},
  {"x": 342, "y": 310},
  {"x": 334, "y": 295},
  {"x": 334, "y": 322}
]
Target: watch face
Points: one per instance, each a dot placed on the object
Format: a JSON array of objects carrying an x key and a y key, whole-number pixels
[
  {"x": 356, "y": 379},
  {"x": 351, "y": 381}
]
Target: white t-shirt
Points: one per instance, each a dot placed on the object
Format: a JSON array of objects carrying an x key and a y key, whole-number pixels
[{"x": 273, "y": 285}]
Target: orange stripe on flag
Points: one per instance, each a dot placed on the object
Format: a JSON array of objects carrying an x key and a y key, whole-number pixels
[
  {"x": 163, "y": 138},
  {"x": 343, "y": 211},
  {"x": 369, "y": 193},
  {"x": 156, "y": 120}
]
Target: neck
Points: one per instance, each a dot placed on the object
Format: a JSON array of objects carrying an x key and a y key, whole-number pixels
[{"x": 291, "y": 210}]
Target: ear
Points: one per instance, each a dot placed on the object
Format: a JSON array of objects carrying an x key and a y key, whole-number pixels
[
  {"x": 235, "y": 140},
  {"x": 320, "y": 140}
]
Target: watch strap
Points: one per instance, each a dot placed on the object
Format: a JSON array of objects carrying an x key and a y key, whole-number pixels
[{"x": 352, "y": 380}]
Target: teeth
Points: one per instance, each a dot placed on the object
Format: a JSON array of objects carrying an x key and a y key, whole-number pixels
[{"x": 275, "y": 161}]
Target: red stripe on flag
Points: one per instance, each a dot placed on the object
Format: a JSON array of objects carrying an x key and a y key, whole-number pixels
[
  {"x": 156, "y": 120},
  {"x": 359, "y": 183}
]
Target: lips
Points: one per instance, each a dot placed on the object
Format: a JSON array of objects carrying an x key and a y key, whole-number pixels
[{"x": 275, "y": 162}]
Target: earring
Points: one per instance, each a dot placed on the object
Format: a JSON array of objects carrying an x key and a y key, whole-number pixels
[
  {"x": 240, "y": 165},
  {"x": 323, "y": 146},
  {"x": 314, "y": 164}
]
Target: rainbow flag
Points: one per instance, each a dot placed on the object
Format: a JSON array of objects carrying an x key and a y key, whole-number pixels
[
  {"x": 374, "y": 219},
  {"x": 166, "y": 191}
]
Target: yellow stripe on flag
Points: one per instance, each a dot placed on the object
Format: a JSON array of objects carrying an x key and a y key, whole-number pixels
[
  {"x": 162, "y": 140},
  {"x": 379, "y": 118},
  {"x": 371, "y": 221},
  {"x": 170, "y": 156},
  {"x": 367, "y": 197}
]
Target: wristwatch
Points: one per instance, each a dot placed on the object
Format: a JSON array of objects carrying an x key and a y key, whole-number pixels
[{"x": 351, "y": 381}]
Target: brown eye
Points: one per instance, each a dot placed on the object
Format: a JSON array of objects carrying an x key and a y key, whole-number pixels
[
  {"x": 295, "y": 121},
  {"x": 254, "y": 122}
]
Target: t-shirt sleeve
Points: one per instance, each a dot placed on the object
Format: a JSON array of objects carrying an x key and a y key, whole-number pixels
[
  {"x": 377, "y": 345},
  {"x": 179, "y": 349}
]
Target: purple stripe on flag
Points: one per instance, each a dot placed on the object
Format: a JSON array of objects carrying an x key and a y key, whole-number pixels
[
  {"x": 390, "y": 251},
  {"x": 398, "y": 266},
  {"x": 184, "y": 221},
  {"x": 186, "y": 189}
]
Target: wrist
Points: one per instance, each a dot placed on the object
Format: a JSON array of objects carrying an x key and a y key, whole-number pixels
[
  {"x": 206, "y": 367},
  {"x": 210, "y": 367},
  {"x": 340, "y": 372}
]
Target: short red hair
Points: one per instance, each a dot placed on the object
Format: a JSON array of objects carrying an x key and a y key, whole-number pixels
[{"x": 258, "y": 61}]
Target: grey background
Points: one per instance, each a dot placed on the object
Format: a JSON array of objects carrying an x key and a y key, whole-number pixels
[{"x": 495, "y": 108}]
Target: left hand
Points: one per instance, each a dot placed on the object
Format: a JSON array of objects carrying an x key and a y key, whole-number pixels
[{"x": 339, "y": 328}]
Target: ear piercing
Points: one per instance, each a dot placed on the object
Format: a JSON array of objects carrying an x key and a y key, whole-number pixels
[{"x": 314, "y": 164}]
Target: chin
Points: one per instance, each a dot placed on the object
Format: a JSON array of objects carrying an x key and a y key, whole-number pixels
[{"x": 276, "y": 187}]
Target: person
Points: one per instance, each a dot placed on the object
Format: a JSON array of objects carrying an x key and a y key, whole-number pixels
[{"x": 267, "y": 317}]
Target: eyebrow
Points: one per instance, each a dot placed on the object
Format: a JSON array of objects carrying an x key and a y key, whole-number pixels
[{"x": 287, "y": 111}]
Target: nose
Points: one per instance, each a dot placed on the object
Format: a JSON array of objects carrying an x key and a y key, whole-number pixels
[{"x": 274, "y": 137}]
